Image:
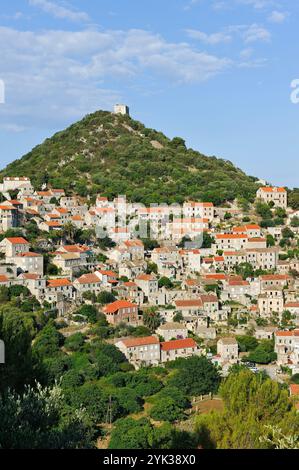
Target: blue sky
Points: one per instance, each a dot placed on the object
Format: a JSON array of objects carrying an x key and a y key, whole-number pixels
[{"x": 216, "y": 72}]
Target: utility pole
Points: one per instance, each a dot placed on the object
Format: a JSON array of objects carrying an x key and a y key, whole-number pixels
[{"x": 109, "y": 413}]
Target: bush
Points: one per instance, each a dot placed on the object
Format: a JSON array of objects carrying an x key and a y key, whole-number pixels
[
  {"x": 74, "y": 342},
  {"x": 195, "y": 376},
  {"x": 89, "y": 312}
]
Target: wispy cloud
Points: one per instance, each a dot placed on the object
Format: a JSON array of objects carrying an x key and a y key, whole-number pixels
[
  {"x": 248, "y": 33},
  {"x": 191, "y": 4},
  {"x": 278, "y": 16},
  {"x": 256, "y": 33},
  {"x": 230, "y": 4},
  {"x": 212, "y": 39},
  {"x": 59, "y": 11},
  {"x": 58, "y": 76},
  {"x": 258, "y": 4}
]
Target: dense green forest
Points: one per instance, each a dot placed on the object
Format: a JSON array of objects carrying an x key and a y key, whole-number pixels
[
  {"x": 79, "y": 391},
  {"x": 112, "y": 154},
  {"x": 60, "y": 391}
]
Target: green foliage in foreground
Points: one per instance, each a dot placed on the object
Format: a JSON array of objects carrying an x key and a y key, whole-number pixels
[
  {"x": 252, "y": 401},
  {"x": 195, "y": 376},
  {"x": 141, "y": 434},
  {"x": 39, "y": 419}
]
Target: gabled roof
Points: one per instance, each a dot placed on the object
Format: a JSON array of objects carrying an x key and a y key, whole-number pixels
[
  {"x": 287, "y": 333},
  {"x": 209, "y": 298},
  {"x": 7, "y": 208},
  {"x": 145, "y": 277},
  {"x": 30, "y": 254},
  {"x": 294, "y": 389},
  {"x": 117, "y": 305},
  {"x": 29, "y": 276},
  {"x": 58, "y": 283},
  {"x": 231, "y": 282},
  {"x": 17, "y": 241},
  {"x": 108, "y": 273},
  {"x": 178, "y": 344},
  {"x": 268, "y": 189},
  {"x": 89, "y": 279},
  {"x": 216, "y": 276},
  {"x": 275, "y": 277},
  {"x": 188, "y": 303},
  {"x": 228, "y": 236},
  {"x": 145, "y": 341}
]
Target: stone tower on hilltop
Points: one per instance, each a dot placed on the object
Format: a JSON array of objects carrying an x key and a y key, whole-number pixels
[{"x": 122, "y": 109}]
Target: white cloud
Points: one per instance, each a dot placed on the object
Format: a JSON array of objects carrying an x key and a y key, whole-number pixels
[
  {"x": 212, "y": 39},
  {"x": 191, "y": 4},
  {"x": 59, "y": 11},
  {"x": 57, "y": 76},
  {"x": 278, "y": 16},
  {"x": 246, "y": 53},
  {"x": 230, "y": 4},
  {"x": 258, "y": 4},
  {"x": 248, "y": 33},
  {"x": 256, "y": 33}
]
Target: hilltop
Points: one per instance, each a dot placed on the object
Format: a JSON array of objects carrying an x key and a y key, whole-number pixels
[{"x": 113, "y": 154}]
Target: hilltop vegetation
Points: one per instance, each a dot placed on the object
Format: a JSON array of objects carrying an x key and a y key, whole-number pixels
[{"x": 112, "y": 154}]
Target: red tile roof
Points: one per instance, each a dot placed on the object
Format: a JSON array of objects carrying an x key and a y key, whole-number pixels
[
  {"x": 287, "y": 333},
  {"x": 275, "y": 277},
  {"x": 30, "y": 254},
  {"x": 7, "y": 208},
  {"x": 229, "y": 236},
  {"x": 58, "y": 283},
  {"x": 30, "y": 276},
  {"x": 294, "y": 389},
  {"x": 145, "y": 277},
  {"x": 18, "y": 241},
  {"x": 89, "y": 279},
  {"x": 178, "y": 344},
  {"x": 216, "y": 276},
  {"x": 231, "y": 282},
  {"x": 267, "y": 189},
  {"x": 189, "y": 303},
  {"x": 117, "y": 305},
  {"x": 135, "y": 342}
]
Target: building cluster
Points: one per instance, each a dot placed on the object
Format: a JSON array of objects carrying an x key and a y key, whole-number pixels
[{"x": 195, "y": 285}]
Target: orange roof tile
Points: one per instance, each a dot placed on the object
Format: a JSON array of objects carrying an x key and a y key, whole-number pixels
[
  {"x": 30, "y": 254},
  {"x": 18, "y": 241},
  {"x": 7, "y": 208},
  {"x": 227, "y": 236},
  {"x": 178, "y": 344},
  {"x": 275, "y": 277},
  {"x": 216, "y": 276},
  {"x": 287, "y": 333},
  {"x": 188, "y": 303},
  {"x": 145, "y": 277},
  {"x": 30, "y": 276},
  {"x": 89, "y": 279},
  {"x": 58, "y": 283},
  {"x": 294, "y": 389},
  {"x": 117, "y": 305},
  {"x": 135, "y": 342},
  {"x": 267, "y": 189}
]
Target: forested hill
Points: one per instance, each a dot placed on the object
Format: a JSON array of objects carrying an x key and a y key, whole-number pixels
[{"x": 112, "y": 154}]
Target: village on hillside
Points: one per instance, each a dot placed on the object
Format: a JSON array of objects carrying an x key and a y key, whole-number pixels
[{"x": 202, "y": 279}]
